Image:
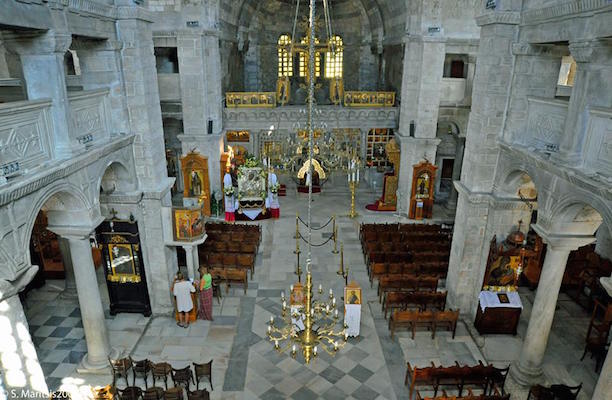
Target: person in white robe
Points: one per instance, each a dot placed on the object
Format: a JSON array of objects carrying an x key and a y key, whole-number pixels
[{"x": 230, "y": 203}]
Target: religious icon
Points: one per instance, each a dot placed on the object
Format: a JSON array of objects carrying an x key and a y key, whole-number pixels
[
  {"x": 195, "y": 184},
  {"x": 423, "y": 186},
  {"x": 352, "y": 295},
  {"x": 121, "y": 259},
  {"x": 297, "y": 295}
]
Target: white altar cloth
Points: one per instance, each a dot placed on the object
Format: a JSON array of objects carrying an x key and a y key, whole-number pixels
[
  {"x": 352, "y": 318},
  {"x": 252, "y": 214},
  {"x": 490, "y": 300}
]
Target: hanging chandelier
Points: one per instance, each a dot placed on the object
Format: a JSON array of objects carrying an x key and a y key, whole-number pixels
[{"x": 310, "y": 324}]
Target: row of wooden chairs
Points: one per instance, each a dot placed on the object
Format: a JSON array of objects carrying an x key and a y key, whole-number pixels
[
  {"x": 145, "y": 368},
  {"x": 486, "y": 377},
  {"x": 413, "y": 247},
  {"x": 225, "y": 227},
  {"x": 436, "y": 268},
  {"x": 234, "y": 236},
  {"x": 405, "y": 283},
  {"x": 407, "y": 257},
  {"x": 231, "y": 260},
  {"x": 401, "y": 237},
  {"x": 470, "y": 396},
  {"x": 228, "y": 246},
  {"x": 432, "y": 320},
  {"x": 153, "y": 393},
  {"x": 421, "y": 300},
  {"x": 396, "y": 227}
]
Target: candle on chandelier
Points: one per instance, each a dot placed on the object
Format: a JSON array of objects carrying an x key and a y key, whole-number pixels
[
  {"x": 312, "y": 312},
  {"x": 283, "y": 295},
  {"x": 336, "y": 313},
  {"x": 276, "y": 343},
  {"x": 335, "y": 346},
  {"x": 331, "y": 292},
  {"x": 314, "y": 351},
  {"x": 320, "y": 288},
  {"x": 293, "y": 349},
  {"x": 291, "y": 288},
  {"x": 269, "y": 329},
  {"x": 345, "y": 336},
  {"x": 327, "y": 308},
  {"x": 271, "y": 319},
  {"x": 334, "y": 301},
  {"x": 284, "y": 305}
]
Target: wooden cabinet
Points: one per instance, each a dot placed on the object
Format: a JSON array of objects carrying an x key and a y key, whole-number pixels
[{"x": 498, "y": 320}]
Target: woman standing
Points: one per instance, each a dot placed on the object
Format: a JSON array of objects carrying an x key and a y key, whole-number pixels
[{"x": 206, "y": 295}]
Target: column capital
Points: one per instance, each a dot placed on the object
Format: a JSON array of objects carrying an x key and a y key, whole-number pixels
[
  {"x": 75, "y": 232},
  {"x": 560, "y": 241},
  {"x": 36, "y": 43},
  {"x": 581, "y": 51}
]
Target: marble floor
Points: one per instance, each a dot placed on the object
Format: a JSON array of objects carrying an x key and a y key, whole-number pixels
[{"x": 245, "y": 365}]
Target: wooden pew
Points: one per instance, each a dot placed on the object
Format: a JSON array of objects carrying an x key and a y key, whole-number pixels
[{"x": 433, "y": 320}]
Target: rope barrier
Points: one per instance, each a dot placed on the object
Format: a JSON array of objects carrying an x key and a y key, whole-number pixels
[
  {"x": 316, "y": 229},
  {"x": 317, "y": 245}
]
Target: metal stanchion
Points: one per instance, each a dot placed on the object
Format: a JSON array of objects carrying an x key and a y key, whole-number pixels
[{"x": 335, "y": 233}]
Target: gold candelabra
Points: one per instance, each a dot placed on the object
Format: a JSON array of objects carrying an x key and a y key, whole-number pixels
[{"x": 320, "y": 320}]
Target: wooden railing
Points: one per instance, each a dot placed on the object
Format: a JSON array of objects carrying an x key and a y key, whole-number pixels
[
  {"x": 250, "y": 99},
  {"x": 369, "y": 99}
]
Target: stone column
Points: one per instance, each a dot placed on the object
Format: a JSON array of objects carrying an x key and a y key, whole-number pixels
[
  {"x": 452, "y": 199},
  {"x": 70, "y": 291},
  {"x": 18, "y": 359},
  {"x": 469, "y": 83},
  {"x": 529, "y": 366},
  {"x": 604, "y": 383},
  {"x": 42, "y": 60},
  {"x": 193, "y": 262},
  {"x": 90, "y": 303}
]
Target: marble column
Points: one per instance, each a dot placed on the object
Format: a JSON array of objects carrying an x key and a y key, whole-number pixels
[
  {"x": 42, "y": 59},
  {"x": 193, "y": 262},
  {"x": 90, "y": 303},
  {"x": 70, "y": 291},
  {"x": 529, "y": 366}
]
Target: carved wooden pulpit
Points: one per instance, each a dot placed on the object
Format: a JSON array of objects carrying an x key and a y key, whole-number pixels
[{"x": 422, "y": 195}]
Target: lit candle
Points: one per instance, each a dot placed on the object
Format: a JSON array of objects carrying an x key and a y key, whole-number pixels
[
  {"x": 331, "y": 292},
  {"x": 345, "y": 336},
  {"x": 312, "y": 312},
  {"x": 271, "y": 319},
  {"x": 320, "y": 288},
  {"x": 284, "y": 304},
  {"x": 334, "y": 302},
  {"x": 291, "y": 288},
  {"x": 335, "y": 346},
  {"x": 276, "y": 343},
  {"x": 314, "y": 351},
  {"x": 327, "y": 308},
  {"x": 283, "y": 295},
  {"x": 293, "y": 349},
  {"x": 336, "y": 313},
  {"x": 269, "y": 329}
]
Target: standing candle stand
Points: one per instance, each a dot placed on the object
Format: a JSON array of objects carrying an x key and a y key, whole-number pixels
[{"x": 353, "y": 181}]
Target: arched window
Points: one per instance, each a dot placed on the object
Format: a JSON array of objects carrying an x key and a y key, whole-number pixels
[
  {"x": 303, "y": 63},
  {"x": 285, "y": 66},
  {"x": 333, "y": 59}
]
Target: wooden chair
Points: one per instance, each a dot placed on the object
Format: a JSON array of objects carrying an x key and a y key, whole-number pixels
[
  {"x": 175, "y": 393},
  {"x": 161, "y": 371},
  {"x": 561, "y": 392},
  {"x": 215, "y": 260},
  {"x": 143, "y": 369},
  {"x": 497, "y": 379},
  {"x": 130, "y": 393},
  {"x": 203, "y": 371},
  {"x": 121, "y": 368},
  {"x": 198, "y": 395},
  {"x": 182, "y": 376},
  {"x": 153, "y": 393},
  {"x": 236, "y": 275},
  {"x": 426, "y": 319},
  {"x": 229, "y": 260},
  {"x": 233, "y": 246},
  {"x": 246, "y": 261},
  {"x": 445, "y": 319}
]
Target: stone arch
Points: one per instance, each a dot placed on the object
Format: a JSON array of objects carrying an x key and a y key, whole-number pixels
[
  {"x": 518, "y": 182},
  {"x": 574, "y": 215},
  {"x": 115, "y": 177},
  {"x": 64, "y": 202}
]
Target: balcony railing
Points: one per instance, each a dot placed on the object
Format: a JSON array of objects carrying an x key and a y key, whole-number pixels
[
  {"x": 369, "y": 99},
  {"x": 26, "y": 139},
  {"x": 250, "y": 99},
  {"x": 89, "y": 118},
  {"x": 169, "y": 87},
  {"x": 545, "y": 124}
]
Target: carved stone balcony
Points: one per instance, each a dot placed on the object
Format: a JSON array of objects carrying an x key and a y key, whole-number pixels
[
  {"x": 26, "y": 139},
  {"x": 598, "y": 145},
  {"x": 545, "y": 124},
  {"x": 89, "y": 116},
  {"x": 287, "y": 117}
]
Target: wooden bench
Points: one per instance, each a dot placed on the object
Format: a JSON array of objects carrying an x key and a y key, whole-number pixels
[
  {"x": 422, "y": 300},
  {"x": 433, "y": 320}
]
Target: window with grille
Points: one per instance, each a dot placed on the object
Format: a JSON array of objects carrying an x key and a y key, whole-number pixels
[
  {"x": 304, "y": 63},
  {"x": 333, "y": 59},
  {"x": 285, "y": 65}
]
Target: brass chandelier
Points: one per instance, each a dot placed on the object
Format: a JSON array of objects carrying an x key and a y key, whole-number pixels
[{"x": 313, "y": 326}]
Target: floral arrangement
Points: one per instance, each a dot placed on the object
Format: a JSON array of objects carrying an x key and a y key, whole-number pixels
[
  {"x": 274, "y": 188},
  {"x": 251, "y": 162},
  {"x": 229, "y": 191}
]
